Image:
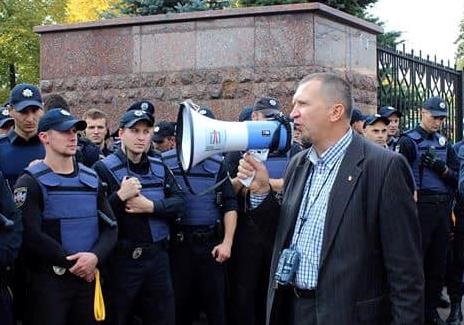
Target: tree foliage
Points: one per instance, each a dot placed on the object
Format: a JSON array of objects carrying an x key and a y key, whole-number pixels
[
  {"x": 19, "y": 45},
  {"x": 460, "y": 43},
  {"x": 86, "y": 10},
  {"x": 152, "y": 7}
]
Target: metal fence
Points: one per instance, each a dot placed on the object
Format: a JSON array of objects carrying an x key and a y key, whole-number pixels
[{"x": 406, "y": 80}]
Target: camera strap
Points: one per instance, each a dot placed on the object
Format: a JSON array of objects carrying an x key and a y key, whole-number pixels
[{"x": 304, "y": 206}]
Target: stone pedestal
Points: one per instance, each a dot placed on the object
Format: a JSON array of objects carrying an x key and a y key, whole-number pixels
[{"x": 222, "y": 59}]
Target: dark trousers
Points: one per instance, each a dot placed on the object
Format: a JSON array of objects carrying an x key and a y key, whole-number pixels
[
  {"x": 61, "y": 299},
  {"x": 455, "y": 266},
  {"x": 294, "y": 310},
  {"x": 199, "y": 281},
  {"x": 6, "y": 305},
  {"x": 435, "y": 227},
  {"x": 140, "y": 285},
  {"x": 249, "y": 274}
]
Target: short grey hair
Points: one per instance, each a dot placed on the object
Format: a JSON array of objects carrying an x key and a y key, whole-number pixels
[{"x": 334, "y": 88}]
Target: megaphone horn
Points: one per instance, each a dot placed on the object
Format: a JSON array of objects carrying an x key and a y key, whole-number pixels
[{"x": 199, "y": 137}]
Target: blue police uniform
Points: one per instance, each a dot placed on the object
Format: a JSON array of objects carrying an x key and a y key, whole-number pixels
[
  {"x": 10, "y": 241},
  {"x": 197, "y": 276},
  {"x": 69, "y": 207},
  {"x": 455, "y": 265},
  {"x": 434, "y": 164},
  {"x": 139, "y": 271},
  {"x": 387, "y": 111},
  {"x": 16, "y": 153},
  {"x": 152, "y": 187},
  {"x": 78, "y": 226}
]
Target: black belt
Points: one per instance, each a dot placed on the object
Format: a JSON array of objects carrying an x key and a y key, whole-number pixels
[
  {"x": 196, "y": 234},
  {"x": 429, "y": 197},
  {"x": 136, "y": 251},
  {"x": 299, "y": 293},
  {"x": 304, "y": 293}
]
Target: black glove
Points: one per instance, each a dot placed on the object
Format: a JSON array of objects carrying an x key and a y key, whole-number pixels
[{"x": 431, "y": 161}]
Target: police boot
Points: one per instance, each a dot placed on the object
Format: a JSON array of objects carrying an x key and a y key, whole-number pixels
[
  {"x": 433, "y": 318},
  {"x": 442, "y": 302},
  {"x": 455, "y": 316}
]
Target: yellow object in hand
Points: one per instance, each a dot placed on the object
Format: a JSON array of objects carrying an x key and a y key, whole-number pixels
[{"x": 98, "y": 303}]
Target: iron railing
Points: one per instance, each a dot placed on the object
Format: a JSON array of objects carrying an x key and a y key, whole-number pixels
[{"x": 406, "y": 80}]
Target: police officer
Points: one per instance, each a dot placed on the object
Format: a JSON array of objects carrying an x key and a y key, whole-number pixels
[
  {"x": 434, "y": 164},
  {"x": 393, "y": 129},
  {"x": 10, "y": 241},
  {"x": 455, "y": 267},
  {"x": 21, "y": 145},
  {"x": 6, "y": 121},
  {"x": 69, "y": 229},
  {"x": 18, "y": 148},
  {"x": 375, "y": 129},
  {"x": 97, "y": 130},
  {"x": 164, "y": 136},
  {"x": 202, "y": 238},
  {"x": 87, "y": 152},
  {"x": 357, "y": 120},
  {"x": 252, "y": 250},
  {"x": 144, "y": 198}
]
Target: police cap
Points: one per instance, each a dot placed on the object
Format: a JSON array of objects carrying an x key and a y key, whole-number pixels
[
  {"x": 357, "y": 115},
  {"x": 245, "y": 114},
  {"x": 25, "y": 95},
  {"x": 5, "y": 119},
  {"x": 163, "y": 129},
  {"x": 205, "y": 111},
  {"x": 372, "y": 119},
  {"x": 143, "y": 105},
  {"x": 436, "y": 106},
  {"x": 59, "y": 119},
  {"x": 131, "y": 117},
  {"x": 388, "y": 111},
  {"x": 269, "y": 106}
]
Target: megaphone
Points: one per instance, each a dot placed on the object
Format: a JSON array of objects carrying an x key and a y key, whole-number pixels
[{"x": 199, "y": 137}]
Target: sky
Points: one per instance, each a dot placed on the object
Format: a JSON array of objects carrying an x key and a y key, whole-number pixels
[{"x": 429, "y": 26}]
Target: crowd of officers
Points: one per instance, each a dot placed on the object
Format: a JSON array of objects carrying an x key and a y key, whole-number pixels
[{"x": 75, "y": 208}]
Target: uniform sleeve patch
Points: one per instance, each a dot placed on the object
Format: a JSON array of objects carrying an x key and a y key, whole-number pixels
[{"x": 20, "y": 194}]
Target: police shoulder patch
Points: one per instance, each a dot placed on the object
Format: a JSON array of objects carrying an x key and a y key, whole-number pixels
[{"x": 20, "y": 195}]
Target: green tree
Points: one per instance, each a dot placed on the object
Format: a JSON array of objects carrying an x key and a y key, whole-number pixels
[
  {"x": 460, "y": 44},
  {"x": 19, "y": 45},
  {"x": 152, "y": 7}
]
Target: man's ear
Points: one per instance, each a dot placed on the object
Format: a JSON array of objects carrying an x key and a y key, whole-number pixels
[
  {"x": 337, "y": 112},
  {"x": 44, "y": 137}
]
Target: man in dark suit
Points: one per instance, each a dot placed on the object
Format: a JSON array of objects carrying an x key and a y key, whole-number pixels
[{"x": 347, "y": 242}]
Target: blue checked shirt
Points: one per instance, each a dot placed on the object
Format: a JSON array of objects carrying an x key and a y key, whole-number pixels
[{"x": 313, "y": 208}]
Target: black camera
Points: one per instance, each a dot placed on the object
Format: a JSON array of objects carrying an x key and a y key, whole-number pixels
[{"x": 286, "y": 269}]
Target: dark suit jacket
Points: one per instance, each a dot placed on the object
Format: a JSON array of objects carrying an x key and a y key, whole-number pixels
[{"x": 371, "y": 263}]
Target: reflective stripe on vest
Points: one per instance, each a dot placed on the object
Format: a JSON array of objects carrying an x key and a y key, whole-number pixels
[
  {"x": 200, "y": 210},
  {"x": 73, "y": 202},
  {"x": 152, "y": 188},
  {"x": 427, "y": 179}
]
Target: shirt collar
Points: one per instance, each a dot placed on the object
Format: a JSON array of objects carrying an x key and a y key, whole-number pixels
[
  {"x": 15, "y": 138},
  {"x": 329, "y": 157}
]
